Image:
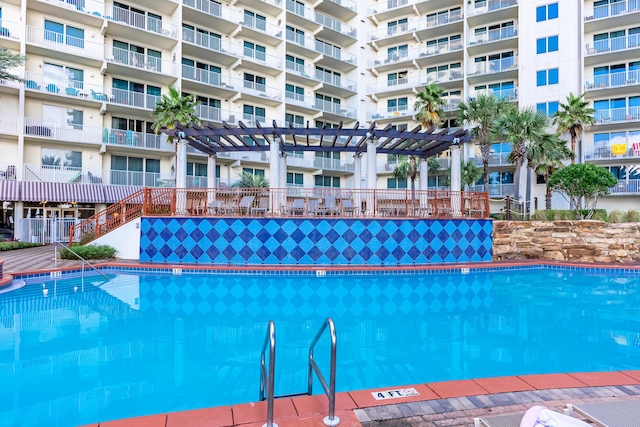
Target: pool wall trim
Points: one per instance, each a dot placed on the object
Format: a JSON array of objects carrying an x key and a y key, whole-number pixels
[{"x": 293, "y": 270}]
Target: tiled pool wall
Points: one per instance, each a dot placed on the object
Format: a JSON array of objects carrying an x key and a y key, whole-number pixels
[{"x": 291, "y": 241}]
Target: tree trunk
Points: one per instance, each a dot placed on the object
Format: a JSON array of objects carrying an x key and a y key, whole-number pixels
[
  {"x": 516, "y": 180},
  {"x": 547, "y": 196},
  {"x": 573, "y": 145}
]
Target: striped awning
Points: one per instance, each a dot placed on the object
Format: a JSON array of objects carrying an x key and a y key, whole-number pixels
[
  {"x": 115, "y": 193},
  {"x": 9, "y": 190},
  {"x": 61, "y": 192},
  {"x": 87, "y": 193}
]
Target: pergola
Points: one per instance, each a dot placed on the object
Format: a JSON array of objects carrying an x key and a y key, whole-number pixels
[{"x": 212, "y": 139}]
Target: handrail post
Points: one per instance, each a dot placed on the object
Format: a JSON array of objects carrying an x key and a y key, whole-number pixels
[
  {"x": 330, "y": 390},
  {"x": 267, "y": 379}
]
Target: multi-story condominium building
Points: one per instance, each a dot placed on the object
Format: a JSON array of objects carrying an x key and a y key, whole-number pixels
[{"x": 76, "y": 134}]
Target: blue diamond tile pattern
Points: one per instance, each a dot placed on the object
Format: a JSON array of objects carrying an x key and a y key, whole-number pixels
[{"x": 283, "y": 241}]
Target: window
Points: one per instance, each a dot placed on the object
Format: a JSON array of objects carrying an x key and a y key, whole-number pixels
[
  {"x": 547, "y": 44},
  {"x": 395, "y": 26},
  {"x": 63, "y": 78},
  {"x": 296, "y": 120},
  {"x": 327, "y": 181},
  {"x": 547, "y": 77},
  {"x": 295, "y": 35},
  {"x": 294, "y": 92},
  {"x": 256, "y": 51},
  {"x": 547, "y": 108},
  {"x": 61, "y": 159},
  {"x": 398, "y": 78},
  {"x": 61, "y": 33},
  {"x": 196, "y": 169},
  {"x": 396, "y": 105},
  {"x": 295, "y": 179},
  {"x": 253, "y": 172},
  {"x": 546, "y": 12},
  {"x": 134, "y": 171},
  {"x": 254, "y": 20},
  {"x": 62, "y": 118},
  {"x": 249, "y": 112},
  {"x": 254, "y": 82},
  {"x": 397, "y": 183},
  {"x": 397, "y": 52}
]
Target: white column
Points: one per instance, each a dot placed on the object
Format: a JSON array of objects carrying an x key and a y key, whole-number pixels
[
  {"x": 274, "y": 171},
  {"x": 283, "y": 182},
  {"x": 424, "y": 175},
  {"x": 181, "y": 176},
  {"x": 456, "y": 182},
  {"x": 371, "y": 175},
  {"x": 211, "y": 171},
  {"x": 18, "y": 214},
  {"x": 357, "y": 182}
]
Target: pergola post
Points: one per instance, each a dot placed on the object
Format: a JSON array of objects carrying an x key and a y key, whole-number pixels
[
  {"x": 423, "y": 183},
  {"x": 211, "y": 178},
  {"x": 181, "y": 176},
  {"x": 372, "y": 176},
  {"x": 456, "y": 181},
  {"x": 274, "y": 168},
  {"x": 283, "y": 182},
  {"x": 357, "y": 181}
]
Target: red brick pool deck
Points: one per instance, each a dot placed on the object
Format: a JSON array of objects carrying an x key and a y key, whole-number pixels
[{"x": 439, "y": 404}]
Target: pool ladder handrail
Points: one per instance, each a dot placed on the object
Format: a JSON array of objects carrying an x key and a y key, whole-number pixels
[
  {"x": 55, "y": 260},
  {"x": 267, "y": 379},
  {"x": 329, "y": 390}
]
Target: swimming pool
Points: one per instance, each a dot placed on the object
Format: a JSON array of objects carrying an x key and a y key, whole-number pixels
[{"x": 156, "y": 342}]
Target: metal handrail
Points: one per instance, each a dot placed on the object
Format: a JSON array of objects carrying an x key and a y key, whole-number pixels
[
  {"x": 55, "y": 260},
  {"x": 329, "y": 390},
  {"x": 267, "y": 379}
]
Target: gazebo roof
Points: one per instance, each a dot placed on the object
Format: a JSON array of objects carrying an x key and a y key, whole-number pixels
[{"x": 212, "y": 139}]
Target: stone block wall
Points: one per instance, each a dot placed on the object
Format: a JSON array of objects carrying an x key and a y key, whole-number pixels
[{"x": 585, "y": 241}]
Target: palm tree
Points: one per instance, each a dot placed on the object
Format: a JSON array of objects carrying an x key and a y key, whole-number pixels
[
  {"x": 248, "y": 180},
  {"x": 480, "y": 114},
  {"x": 521, "y": 128},
  {"x": 546, "y": 156},
  {"x": 172, "y": 109},
  {"x": 428, "y": 106},
  {"x": 572, "y": 117},
  {"x": 10, "y": 60},
  {"x": 408, "y": 167},
  {"x": 470, "y": 173}
]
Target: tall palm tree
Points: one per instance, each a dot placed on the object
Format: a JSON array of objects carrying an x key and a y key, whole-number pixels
[
  {"x": 470, "y": 173},
  {"x": 521, "y": 128},
  {"x": 428, "y": 106},
  {"x": 546, "y": 156},
  {"x": 408, "y": 167},
  {"x": 172, "y": 109},
  {"x": 9, "y": 60},
  {"x": 480, "y": 114},
  {"x": 572, "y": 117}
]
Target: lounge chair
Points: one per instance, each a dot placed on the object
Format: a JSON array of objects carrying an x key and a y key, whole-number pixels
[
  {"x": 262, "y": 208},
  {"x": 502, "y": 420},
  {"x": 245, "y": 205},
  {"x": 298, "y": 207},
  {"x": 348, "y": 208},
  {"x": 618, "y": 413},
  {"x": 535, "y": 416}
]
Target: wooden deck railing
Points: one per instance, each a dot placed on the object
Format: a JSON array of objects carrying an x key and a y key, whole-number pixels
[{"x": 283, "y": 202}]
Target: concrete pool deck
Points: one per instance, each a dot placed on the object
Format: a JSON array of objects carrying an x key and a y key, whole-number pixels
[{"x": 441, "y": 404}]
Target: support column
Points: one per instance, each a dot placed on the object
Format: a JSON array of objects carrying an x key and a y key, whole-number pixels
[
  {"x": 18, "y": 214},
  {"x": 274, "y": 172},
  {"x": 282, "y": 204},
  {"x": 181, "y": 177},
  {"x": 456, "y": 182},
  {"x": 211, "y": 181},
  {"x": 423, "y": 183},
  {"x": 371, "y": 175},
  {"x": 357, "y": 183}
]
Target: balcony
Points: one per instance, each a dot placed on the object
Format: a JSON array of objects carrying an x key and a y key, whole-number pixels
[
  {"x": 451, "y": 104},
  {"x": 258, "y": 61},
  {"x": 392, "y": 113},
  {"x": 62, "y": 47},
  {"x": 214, "y": 114},
  {"x": 333, "y": 111},
  {"x": 507, "y": 65},
  {"x": 10, "y": 34},
  {"x": 345, "y": 9},
  {"x": 446, "y": 78},
  {"x": 484, "y": 12},
  {"x": 442, "y": 52},
  {"x": 53, "y": 88},
  {"x": 335, "y": 31},
  {"x": 498, "y": 39},
  {"x": 271, "y": 7},
  {"x": 402, "y": 58},
  {"x": 299, "y": 102},
  {"x": 615, "y": 14},
  {"x": 617, "y": 115},
  {"x": 300, "y": 44},
  {"x": 612, "y": 49},
  {"x": 335, "y": 165},
  {"x": 496, "y": 190},
  {"x": 204, "y": 80},
  {"x": 385, "y": 10},
  {"x": 495, "y": 159},
  {"x": 61, "y": 132},
  {"x": 620, "y": 81},
  {"x": 252, "y": 120},
  {"x": 209, "y": 14},
  {"x": 392, "y": 35},
  {"x": 139, "y": 66},
  {"x": 507, "y": 94},
  {"x": 301, "y": 16},
  {"x": 627, "y": 149},
  {"x": 87, "y": 12},
  {"x": 441, "y": 24},
  {"x": 394, "y": 87},
  {"x": 630, "y": 186},
  {"x": 130, "y": 99},
  {"x": 202, "y": 45},
  {"x": 334, "y": 57},
  {"x": 46, "y": 173},
  {"x": 259, "y": 29},
  {"x": 121, "y": 22},
  {"x": 132, "y": 139},
  {"x": 256, "y": 92},
  {"x": 8, "y": 125}
]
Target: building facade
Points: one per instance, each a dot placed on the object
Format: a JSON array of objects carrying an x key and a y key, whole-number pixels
[{"x": 76, "y": 134}]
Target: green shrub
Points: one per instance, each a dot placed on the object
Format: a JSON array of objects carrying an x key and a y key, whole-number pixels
[
  {"x": 632, "y": 216},
  {"x": 566, "y": 215},
  {"x": 89, "y": 252},
  {"x": 8, "y": 246},
  {"x": 87, "y": 238},
  {"x": 615, "y": 217}
]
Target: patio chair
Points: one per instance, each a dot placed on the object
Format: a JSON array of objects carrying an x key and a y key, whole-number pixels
[
  {"x": 245, "y": 205},
  {"x": 215, "y": 207},
  {"x": 608, "y": 414},
  {"x": 262, "y": 208},
  {"x": 313, "y": 207},
  {"x": 298, "y": 207},
  {"x": 329, "y": 206},
  {"x": 348, "y": 208}
]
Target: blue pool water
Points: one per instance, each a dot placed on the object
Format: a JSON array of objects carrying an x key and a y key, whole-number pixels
[{"x": 160, "y": 343}]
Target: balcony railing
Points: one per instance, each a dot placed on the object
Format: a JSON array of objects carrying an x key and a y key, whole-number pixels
[
  {"x": 334, "y": 52},
  {"x": 333, "y": 108},
  {"x": 92, "y": 7},
  {"x": 64, "y": 44},
  {"x": 9, "y": 30},
  {"x": 129, "y": 138},
  {"x": 612, "y": 9},
  {"x": 631, "y": 150},
  {"x": 265, "y": 59},
  {"x": 9, "y": 125},
  {"x": 298, "y": 99},
  {"x": 59, "y": 85},
  {"x": 444, "y": 18},
  {"x": 58, "y": 131},
  {"x": 392, "y": 113},
  {"x": 393, "y": 31},
  {"x": 140, "y": 21},
  {"x": 347, "y": 4},
  {"x": 495, "y": 159},
  {"x": 202, "y": 76},
  {"x": 335, "y": 25},
  {"x": 135, "y": 99},
  {"x": 442, "y": 76},
  {"x": 395, "y": 84},
  {"x": 443, "y": 47},
  {"x": 604, "y": 81},
  {"x": 617, "y": 115},
  {"x": 496, "y": 190},
  {"x": 215, "y": 114},
  {"x": 614, "y": 44},
  {"x": 252, "y": 119},
  {"x": 207, "y": 41},
  {"x": 494, "y": 66},
  {"x": 508, "y": 94},
  {"x": 215, "y": 9},
  {"x": 139, "y": 60},
  {"x": 631, "y": 186},
  {"x": 333, "y": 80},
  {"x": 451, "y": 103},
  {"x": 46, "y": 173},
  {"x": 392, "y": 58},
  {"x": 380, "y": 7},
  {"x": 493, "y": 35},
  {"x": 477, "y": 8},
  {"x": 257, "y": 89},
  {"x": 262, "y": 26}
]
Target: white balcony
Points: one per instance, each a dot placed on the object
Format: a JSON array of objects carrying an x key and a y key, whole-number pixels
[
  {"x": 257, "y": 90},
  {"x": 127, "y": 62},
  {"x": 496, "y": 190},
  {"x": 228, "y": 52},
  {"x": 339, "y": 82},
  {"x": 617, "y": 115},
  {"x": 214, "y": 114},
  {"x": 132, "y": 139},
  {"x": 451, "y": 103},
  {"x": 493, "y": 35},
  {"x": 478, "y": 8},
  {"x": 347, "y": 8},
  {"x": 57, "y": 131},
  {"x": 132, "y": 99},
  {"x": 212, "y": 14},
  {"x": 443, "y": 47},
  {"x": 443, "y": 76},
  {"x": 391, "y": 113},
  {"x": 613, "y": 80},
  {"x": 615, "y": 44},
  {"x": 388, "y": 61},
  {"x": 267, "y": 32},
  {"x": 119, "y": 16},
  {"x": 443, "y": 19},
  {"x": 58, "y": 45},
  {"x": 493, "y": 66},
  {"x": 261, "y": 60},
  {"x": 629, "y": 186},
  {"x": 10, "y": 31},
  {"x": 394, "y": 32},
  {"x": 618, "y": 148},
  {"x": 335, "y": 30},
  {"x": 252, "y": 119},
  {"x": 336, "y": 53},
  {"x": 52, "y": 86},
  {"x": 395, "y": 86},
  {"x": 508, "y": 94},
  {"x": 305, "y": 102},
  {"x": 495, "y": 159},
  {"x": 9, "y": 125},
  {"x": 338, "y": 165},
  {"x": 335, "y": 109},
  {"x": 618, "y": 8},
  {"x": 378, "y": 8}
]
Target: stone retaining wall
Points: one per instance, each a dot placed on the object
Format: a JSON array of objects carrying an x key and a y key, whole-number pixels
[{"x": 586, "y": 241}]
